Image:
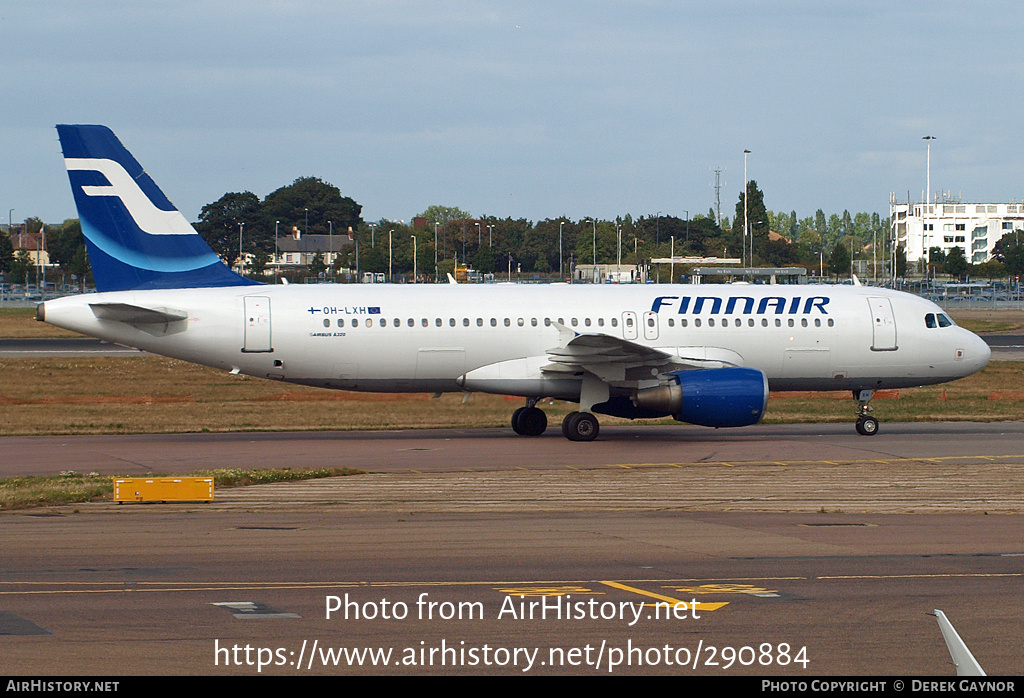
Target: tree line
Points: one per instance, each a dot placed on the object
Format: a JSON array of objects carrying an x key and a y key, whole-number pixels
[{"x": 242, "y": 222}]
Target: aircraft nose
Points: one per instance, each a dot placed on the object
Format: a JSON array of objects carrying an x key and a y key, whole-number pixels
[{"x": 977, "y": 354}]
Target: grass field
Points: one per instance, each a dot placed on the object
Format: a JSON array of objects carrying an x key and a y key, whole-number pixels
[{"x": 137, "y": 394}]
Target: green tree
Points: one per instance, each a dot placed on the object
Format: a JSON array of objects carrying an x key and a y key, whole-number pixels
[
  {"x": 956, "y": 264},
  {"x": 6, "y": 253},
  {"x": 323, "y": 202},
  {"x": 839, "y": 260},
  {"x": 442, "y": 215},
  {"x": 752, "y": 203},
  {"x": 220, "y": 222}
]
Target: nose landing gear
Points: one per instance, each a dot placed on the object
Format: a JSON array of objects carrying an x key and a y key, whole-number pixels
[{"x": 866, "y": 424}]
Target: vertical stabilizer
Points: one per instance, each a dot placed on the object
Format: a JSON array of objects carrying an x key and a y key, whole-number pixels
[{"x": 135, "y": 237}]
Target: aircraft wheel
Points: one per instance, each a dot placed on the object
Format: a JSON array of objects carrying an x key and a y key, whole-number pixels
[
  {"x": 516, "y": 420},
  {"x": 532, "y": 422},
  {"x": 867, "y": 426},
  {"x": 580, "y": 426}
]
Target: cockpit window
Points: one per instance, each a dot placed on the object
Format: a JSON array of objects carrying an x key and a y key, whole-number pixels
[
  {"x": 944, "y": 320},
  {"x": 929, "y": 321}
]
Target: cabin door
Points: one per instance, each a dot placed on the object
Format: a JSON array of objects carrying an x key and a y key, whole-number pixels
[
  {"x": 883, "y": 325},
  {"x": 257, "y": 324}
]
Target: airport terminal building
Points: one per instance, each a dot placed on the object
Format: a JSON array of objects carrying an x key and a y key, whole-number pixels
[{"x": 973, "y": 227}]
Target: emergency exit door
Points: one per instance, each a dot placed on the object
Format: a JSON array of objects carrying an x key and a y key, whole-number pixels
[{"x": 883, "y": 325}]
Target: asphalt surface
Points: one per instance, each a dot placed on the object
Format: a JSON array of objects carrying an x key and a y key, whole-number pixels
[{"x": 797, "y": 542}]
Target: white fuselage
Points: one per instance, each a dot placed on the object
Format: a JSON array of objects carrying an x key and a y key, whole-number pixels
[{"x": 427, "y": 338}]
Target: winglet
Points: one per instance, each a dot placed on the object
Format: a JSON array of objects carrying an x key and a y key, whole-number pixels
[
  {"x": 966, "y": 664},
  {"x": 135, "y": 237}
]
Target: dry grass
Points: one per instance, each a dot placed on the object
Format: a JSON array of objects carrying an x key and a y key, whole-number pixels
[
  {"x": 71, "y": 487},
  {"x": 21, "y": 323},
  {"x": 140, "y": 394},
  {"x": 989, "y": 320}
]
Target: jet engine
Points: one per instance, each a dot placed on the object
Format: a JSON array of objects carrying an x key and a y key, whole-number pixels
[{"x": 715, "y": 397}]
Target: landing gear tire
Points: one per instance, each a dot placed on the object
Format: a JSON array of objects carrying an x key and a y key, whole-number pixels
[
  {"x": 867, "y": 426},
  {"x": 529, "y": 421},
  {"x": 580, "y": 426}
]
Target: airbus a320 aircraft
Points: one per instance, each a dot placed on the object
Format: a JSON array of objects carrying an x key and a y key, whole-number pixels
[{"x": 703, "y": 354}]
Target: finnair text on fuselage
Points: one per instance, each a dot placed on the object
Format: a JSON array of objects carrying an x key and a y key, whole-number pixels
[{"x": 742, "y": 305}]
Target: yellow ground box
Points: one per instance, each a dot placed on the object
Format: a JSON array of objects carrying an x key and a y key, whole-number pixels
[{"x": 163, "y": 489}]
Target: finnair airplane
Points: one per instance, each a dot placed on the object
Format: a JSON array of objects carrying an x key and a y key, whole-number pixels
[{"x": 703, "y": 354}]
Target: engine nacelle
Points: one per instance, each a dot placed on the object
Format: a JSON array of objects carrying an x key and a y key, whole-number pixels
[{"x": 714, "y": 397}]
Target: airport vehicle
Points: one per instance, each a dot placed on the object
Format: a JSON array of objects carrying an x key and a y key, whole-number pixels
[{"x": 703, "y": 354}]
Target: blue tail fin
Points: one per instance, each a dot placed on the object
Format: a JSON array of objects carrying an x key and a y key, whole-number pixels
[{"x": 135, "y": 237}]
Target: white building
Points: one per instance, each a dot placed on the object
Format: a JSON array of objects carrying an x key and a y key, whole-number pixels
[{"x": 975, "y": 228}]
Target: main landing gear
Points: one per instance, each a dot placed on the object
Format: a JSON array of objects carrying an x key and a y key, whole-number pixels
[
  {"x": 531, "y": 421},
  {"x": 866, "y": 425}
]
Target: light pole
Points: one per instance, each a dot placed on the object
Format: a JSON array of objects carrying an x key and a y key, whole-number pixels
[
  {"x": 490, "y": 236},
  {"x": 241, "y": 265},
  {"x": 928, "y": 191},
  {"x": 330, "y": 248},
  {"x": 479, "y": 235},
  {"x": 746, "y": 190},
  {"x": 277, "y": 253},
  {"x": 435, "y": 253},
  {"x": 389, "y": 255},
  {"x": 373, "y": 234},
  {"x": 618, "y": 256}
]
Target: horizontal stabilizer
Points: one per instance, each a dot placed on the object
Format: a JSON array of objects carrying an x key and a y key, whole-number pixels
[{"x": 136, "y": 315}]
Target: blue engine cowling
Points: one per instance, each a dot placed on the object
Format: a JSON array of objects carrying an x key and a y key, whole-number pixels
[{"x": 714, "y": 397}]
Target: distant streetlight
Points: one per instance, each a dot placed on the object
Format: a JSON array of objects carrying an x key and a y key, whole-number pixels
[
  {"x": 928, "y": 190},
  {"x": 330, "y": 248},
  {"x": 490, "y": 236},
  {"x": 479, "y": 235},
  {"x": 241, "y": 265},
  {"x": 436, "y": 274},
  {"x": 389, "y": 255},
  {"x": 746, "y": 188},
  {"x": 277, "y": 253}
]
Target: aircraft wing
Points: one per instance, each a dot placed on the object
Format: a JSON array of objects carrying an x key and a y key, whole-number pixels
[
  {"x": 620, "y": 361},
  {"x": 966, "y": 664}
]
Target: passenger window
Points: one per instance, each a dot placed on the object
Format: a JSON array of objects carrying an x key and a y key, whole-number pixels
[
  {"x": 355, "y": 322},
  {"x": 791, "y": 322},
  {"x": 629, "y": 322},
  {"x": 411, "y": 323},
  {"x": 830, "y": 322},
  {"x": 803, "y": 322},
  {"x": 764, "y": 322},
  {"x": 929, "y": 321},
  {"x": 494, "y": 322},
  {"x": 650, "y": 322},
  {"x": 682, "y": 323},
  {"x": 397, "y": 322},
  {"x": 547, "y": 322},
  {"x": 383, "y": 322},
  {"x": 451, "y": 322},
  {"x": 600, "y": 322},
  {"x": 425, "y": 322},
  {"x": 615, "y": 322},
  {"x": 533, "y": 321},
  {"x": 711, "y": 322},
  {"x": 671, "y": 322},
  {"x": 817, "y": 322},
  {"x": 586, "y": 321},
  {"x": 437, "y": 321},
  {"x": 696, "y": 322},
  {"x": 327, "y": 323},
  {"x": 520, "y": 322},
  {"x": 508, "y": 323},
  {"x": 465, "y": 322},
  {"x": 479, "y": 322},
  {"x": 750, "y": 322},
  {"x": 341, "y": 322},
  {"x": 778, "y": 322}
]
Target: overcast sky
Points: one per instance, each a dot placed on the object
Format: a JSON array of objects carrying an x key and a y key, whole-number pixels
[{"x": 531, "y": 109}]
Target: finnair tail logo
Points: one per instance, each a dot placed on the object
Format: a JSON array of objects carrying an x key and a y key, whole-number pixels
[{"x": 149, "y": 218}]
